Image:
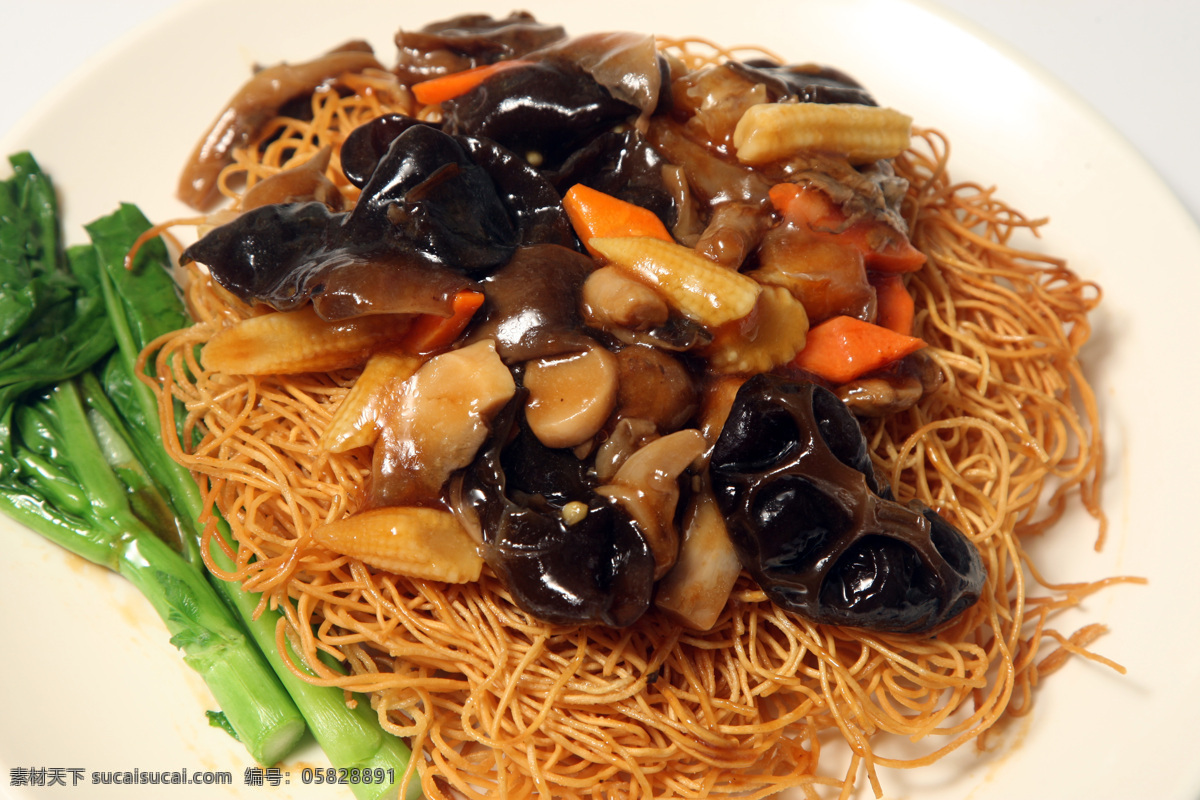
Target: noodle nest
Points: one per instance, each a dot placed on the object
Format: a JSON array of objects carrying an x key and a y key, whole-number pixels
[{"x": 498, "y": 704}]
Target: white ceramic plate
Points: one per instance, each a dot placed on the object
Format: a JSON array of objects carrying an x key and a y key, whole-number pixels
[{"x": 90, "y": 683}]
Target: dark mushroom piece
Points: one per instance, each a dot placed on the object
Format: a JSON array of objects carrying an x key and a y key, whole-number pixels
[
  {"x": 298, "y": 184},
  {"x": 533, "y": 203},
  {"x": 791, "y": 473},
  {"x": 366, "y": 145},
  {"x": 628, "y": 65},
  {"x": 624, "y": 165},
  {"x": 826, "y": 276},
  {"x": 531, "y": 310},
  {"x": 734, "y": 231},
  {"x": 429, "y": 223},
  {"x": 657, "y": 387},
  {"x": 427, "y": 193},
  {"x": 469, "y": 40},
  {"x": 255, "y": 103},
  {"x": 805, "y": 83},
  {"x": 566, "y": 554},
  {"x": 713, "y": 180},
  {"x": 712, "y": 100},
  {"x": 543, "y": 111},
  {"x": 289, "y": 254}
]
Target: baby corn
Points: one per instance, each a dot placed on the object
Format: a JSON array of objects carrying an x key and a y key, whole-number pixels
[
  {"x": 771, "y": 336},
  {"x": 771, "y": 131},
  {"x": 418, "y": 542},
  {"x": 356, "y": 421},
  {"x": 285, "y": 342},
  {"x": 693, "y": 285}
]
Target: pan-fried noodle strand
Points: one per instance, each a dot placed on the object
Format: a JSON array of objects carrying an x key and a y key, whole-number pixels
[{"x": 499, "y": 704}]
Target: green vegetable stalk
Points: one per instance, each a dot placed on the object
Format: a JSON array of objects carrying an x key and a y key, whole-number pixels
[
  {"x": 83, "y": 465},
  {"x": 97, "y": 523},
  {"x": 351, "y": 738},
  {"x": 57, "y": 473}
]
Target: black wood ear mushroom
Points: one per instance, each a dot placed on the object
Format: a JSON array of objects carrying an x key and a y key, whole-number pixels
[{"x": 793, "y": 477}]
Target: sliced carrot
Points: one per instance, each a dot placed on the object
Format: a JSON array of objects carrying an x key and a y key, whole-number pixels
[
  {"x": 595, "y": 214},
  {"x": 447, "y": 87},
  {"x": 430, "y": 332},
  {"x": 843, "y": 348},
  {"x": 883, "y": 248},
  {"x": 800, "y": 204},
  {"x": 894, "y": 305}
]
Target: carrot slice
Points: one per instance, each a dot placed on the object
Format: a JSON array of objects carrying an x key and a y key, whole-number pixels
[
  {"x": 595, "y": 214},
  {"x": 895, "y": 307},
  {"x": 447, "y": 87},
  {"x": 883, "y": 248},
  {"x": 843, "y": 348},
  {"x": 430, "y": 332},
  {"x": 801, "y": 205}
]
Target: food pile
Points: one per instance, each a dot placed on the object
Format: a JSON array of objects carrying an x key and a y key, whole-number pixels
[
  {"x": 600, "y": 403},
  {"x": 630, "y": 240}
]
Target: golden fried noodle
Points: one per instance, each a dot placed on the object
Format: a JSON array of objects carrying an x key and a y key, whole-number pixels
[{"x": 500, "y": 705}]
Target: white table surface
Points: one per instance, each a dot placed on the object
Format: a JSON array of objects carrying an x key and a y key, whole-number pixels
[{"x": 1136, "y": 64}]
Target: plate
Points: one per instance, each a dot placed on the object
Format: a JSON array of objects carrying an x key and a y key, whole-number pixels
[{"x": 90, "y": 684}]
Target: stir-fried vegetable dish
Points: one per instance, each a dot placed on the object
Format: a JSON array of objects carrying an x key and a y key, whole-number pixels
[{"x": 608, "y": 414}]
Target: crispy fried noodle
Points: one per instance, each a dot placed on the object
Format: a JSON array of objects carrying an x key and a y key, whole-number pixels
[{"x": 498, "y": 704}]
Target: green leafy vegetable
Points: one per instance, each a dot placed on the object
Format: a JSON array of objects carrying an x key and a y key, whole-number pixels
[
  {"x": 67, "y": 471},
  {"x": 351, "y": 738},
  {"x": 98, "y": 523},
  {"x": 218, "y": 720},
  {"x": 82, "y": 463},
  {"x": 29, "y": 246},
  {"x": 52, "y": 320}
]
